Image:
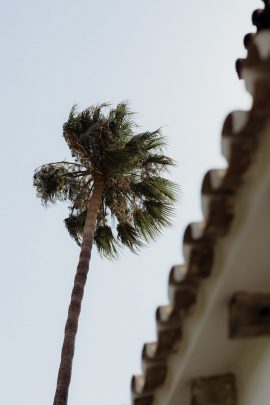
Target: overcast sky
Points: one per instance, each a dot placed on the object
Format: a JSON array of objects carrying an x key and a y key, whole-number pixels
[{"x": 174, "y": 61}]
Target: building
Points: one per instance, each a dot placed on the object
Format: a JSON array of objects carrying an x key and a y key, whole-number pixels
[{"x": 213, "y": 338}]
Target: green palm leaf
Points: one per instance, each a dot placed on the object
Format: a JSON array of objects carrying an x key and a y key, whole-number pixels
[
  {"x": 156, "y": 188},
  {"x": 75, "y": 224},
  {"x": 106, "y": 242},
  {"x": 160, "y": 212},
  {"x": 129, "y": 236},
  {"x": 55, "y": 182},
  {"x": 158, "y": 160},
  {"x": 146, "y": 224}
]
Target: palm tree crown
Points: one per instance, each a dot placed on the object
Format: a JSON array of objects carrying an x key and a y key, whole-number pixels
[{"x": 137, "y": 202}]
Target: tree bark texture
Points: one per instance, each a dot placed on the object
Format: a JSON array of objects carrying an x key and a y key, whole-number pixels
[{"x": 65, "y": 369}]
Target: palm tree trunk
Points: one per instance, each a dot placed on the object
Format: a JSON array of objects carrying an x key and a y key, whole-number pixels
[{"x": 64, "y": 373}]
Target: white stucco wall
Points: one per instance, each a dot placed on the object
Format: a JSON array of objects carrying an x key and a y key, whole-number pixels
[
  {"x": 253, "y": 376},
  {"x": 242, "y": 263}
]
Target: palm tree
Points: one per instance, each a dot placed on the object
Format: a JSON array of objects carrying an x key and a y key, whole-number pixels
[{"x": 116, "y": 193}]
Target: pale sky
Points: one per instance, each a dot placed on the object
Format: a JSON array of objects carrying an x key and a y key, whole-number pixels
[{"x": 174, "y": 60}]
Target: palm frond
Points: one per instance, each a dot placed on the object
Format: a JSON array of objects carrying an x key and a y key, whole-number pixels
[
  {"x": 119, "y": 161},
  {"x": 145, "y": 141},
  {"x": 160, "y": 212},
  {"x": 52, "y": 183},
  {"x": 106, "y": 242},
  {"x": 62, "y": 182},
  {"x": 146, "y": 224},
  {"x": 129, "y": 236},
  {"x": 156, "y": 188},
  {"x": 157, "y": 160},
  {"x": 155, "y": 141},
  {"x": 79, "y": 122},
  {"x": 120, "y": 120},
  {"x": 75, "y": 224}
]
